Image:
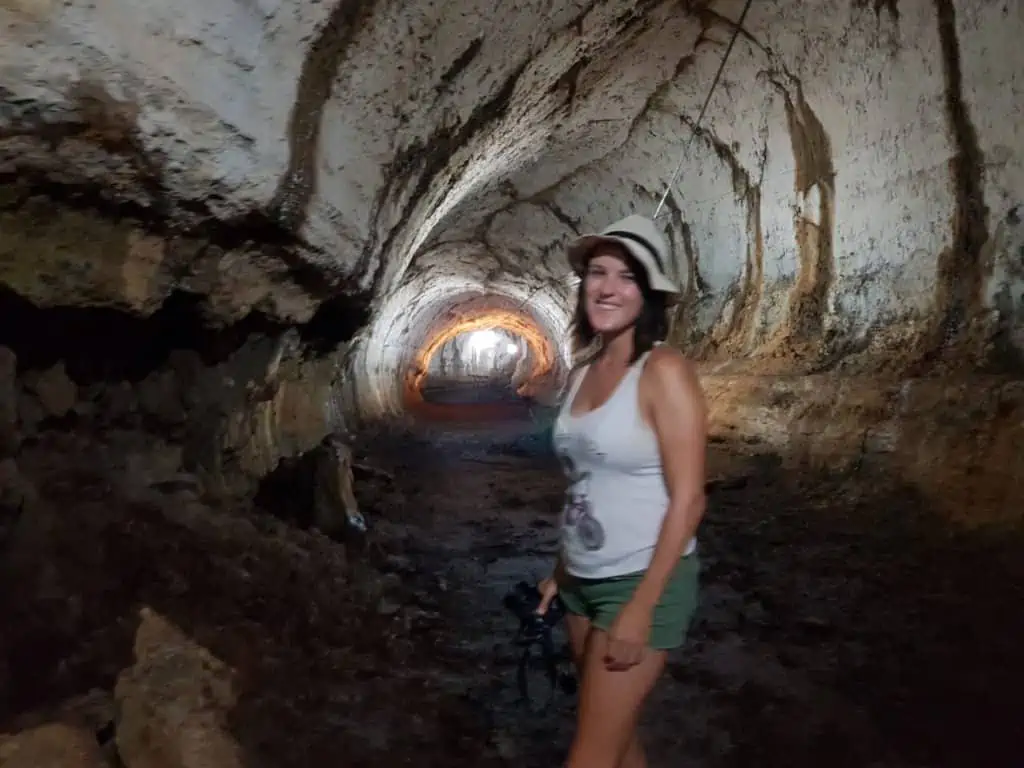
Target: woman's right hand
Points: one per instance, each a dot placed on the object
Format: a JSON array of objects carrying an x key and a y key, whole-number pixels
[{"x": 548, "y": 589}]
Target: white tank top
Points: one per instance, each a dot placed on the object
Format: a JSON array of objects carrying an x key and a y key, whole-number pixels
[{"x": 617, "y": 497}]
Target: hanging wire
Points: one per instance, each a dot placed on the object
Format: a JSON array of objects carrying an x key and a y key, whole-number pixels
[{"x": 703, "y": 109}]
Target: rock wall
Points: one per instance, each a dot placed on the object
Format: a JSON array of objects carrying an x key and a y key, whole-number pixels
[
  {"x": 862, "y": 202},
  {"x": 848, "y": 207},
  {"x": 959, "y": 439},
  {"x": 853, "y": 186},
  {"x": 223, "y": 426},
  {"x": 56, "y": 252}
]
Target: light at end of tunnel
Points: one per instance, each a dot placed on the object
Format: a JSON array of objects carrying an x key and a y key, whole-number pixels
[
  {"x": 483, "y": 340},
  {"x": 511, "y": 348}
]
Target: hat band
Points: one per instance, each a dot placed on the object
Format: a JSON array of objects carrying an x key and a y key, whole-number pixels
[{"x": 642, "y": 242}]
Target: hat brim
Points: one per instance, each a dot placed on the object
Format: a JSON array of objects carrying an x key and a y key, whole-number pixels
[{"x": 582, "y": 248}]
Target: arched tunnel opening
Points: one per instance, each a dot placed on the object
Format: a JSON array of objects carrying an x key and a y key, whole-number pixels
[
  {"x": 483, "y": 351},
  {"x": 485, "y": 358},
  {"x": 285, "y": 320}
]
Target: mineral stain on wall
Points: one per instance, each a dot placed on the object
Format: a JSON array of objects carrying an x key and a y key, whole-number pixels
[
  {"x": 813, "y": 173},
  {"x": 314, "y": 90},
  {"x": 960, "y": 275}
]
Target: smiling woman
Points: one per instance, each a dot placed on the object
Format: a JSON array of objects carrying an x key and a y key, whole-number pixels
[{"x": 631, "y": 436}]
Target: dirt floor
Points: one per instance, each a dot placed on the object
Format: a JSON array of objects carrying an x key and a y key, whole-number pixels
[{"x": 841, "y": 624}]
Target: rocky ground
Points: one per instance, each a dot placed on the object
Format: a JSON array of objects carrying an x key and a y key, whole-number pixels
[{"x": 841, "y": 625}]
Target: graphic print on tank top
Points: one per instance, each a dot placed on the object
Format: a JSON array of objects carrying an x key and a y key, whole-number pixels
[{"x": 578, "y": 514}]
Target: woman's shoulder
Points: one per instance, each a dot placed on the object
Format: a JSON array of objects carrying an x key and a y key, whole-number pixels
[
  {"x": 667, "y": 367},
  {"x": 666, "y": 359}
]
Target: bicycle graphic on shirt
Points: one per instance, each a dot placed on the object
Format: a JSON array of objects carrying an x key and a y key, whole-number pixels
[{"x": 578, "y": 512}]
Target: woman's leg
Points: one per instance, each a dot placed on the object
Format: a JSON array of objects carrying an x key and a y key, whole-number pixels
[
  {"x": 579, "y": 629},
  {"x": 609, "y": 707}
]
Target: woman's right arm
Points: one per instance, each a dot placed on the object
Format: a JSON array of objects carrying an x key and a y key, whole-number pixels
[{"x": 548, "y": 587}]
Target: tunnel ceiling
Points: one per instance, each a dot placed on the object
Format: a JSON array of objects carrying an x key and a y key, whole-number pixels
[{"x": 854, "y": 186}]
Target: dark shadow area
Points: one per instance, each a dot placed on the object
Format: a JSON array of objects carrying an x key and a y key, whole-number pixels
[
  {"x": 101, "y": 344},
  {"x": 108, "y": 345},
  {"x": 336, "y": 320},
  {"x": 842, "y": 624},
  {"x": 899, "y": 631},
  {"x": 288, "y": 492}
]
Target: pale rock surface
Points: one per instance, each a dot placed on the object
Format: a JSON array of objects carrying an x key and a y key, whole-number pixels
[
  {"x": 849, "y": 205},
  {"x": 808, "y": 206}
]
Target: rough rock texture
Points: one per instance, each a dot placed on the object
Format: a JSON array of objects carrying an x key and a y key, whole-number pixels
[
  {"x": 849, "y": 205},
  {"x": 958, "y": 439},
  {"x": 263, "y": 404},
  {"x": 8, "y": 401},
  {"x": 227, "y": 425},
  {"x": 53, "y": 255},
  {"x": 173, "y": 703},
  {"x": 52, "y": 746}
]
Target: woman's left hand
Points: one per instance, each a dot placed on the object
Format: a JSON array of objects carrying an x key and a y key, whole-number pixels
[{"x": 627, "y": 637}]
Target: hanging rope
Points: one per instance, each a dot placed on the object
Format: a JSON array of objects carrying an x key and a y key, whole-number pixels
[
  {"x": 703, "y": 109},
  {"x": 707, "y": 100}
]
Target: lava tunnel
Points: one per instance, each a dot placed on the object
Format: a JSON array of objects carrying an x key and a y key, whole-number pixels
[
  {"x": 483, "y": 355},
  {"x": 453, "y": 293},
  {"x": 246, "y": 246},
  {"x": 485, "y": 343}
]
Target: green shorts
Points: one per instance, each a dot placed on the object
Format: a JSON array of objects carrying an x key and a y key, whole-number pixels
[{"x": 601, "y": 599}]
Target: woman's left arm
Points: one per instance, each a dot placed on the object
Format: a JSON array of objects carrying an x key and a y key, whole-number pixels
[{"x": 679, "y": 418}]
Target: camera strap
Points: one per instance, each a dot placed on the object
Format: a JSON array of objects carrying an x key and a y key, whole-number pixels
[{"x": 547, "y": 655}]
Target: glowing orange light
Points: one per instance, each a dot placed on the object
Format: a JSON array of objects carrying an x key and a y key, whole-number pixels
[{"x": 522, "y": 325}]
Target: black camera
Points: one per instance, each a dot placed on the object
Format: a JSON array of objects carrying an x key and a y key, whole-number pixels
[
  {"x": 522, "y": 602},
  {"x": 535, "y": 630}
]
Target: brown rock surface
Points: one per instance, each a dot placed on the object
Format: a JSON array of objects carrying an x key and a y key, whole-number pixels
[
  {"x": 958, "y": 439},
  {"x": 173, "y": 703},
  {"x": 54, "y": 256},
  {"x": 52, "y": 746}
]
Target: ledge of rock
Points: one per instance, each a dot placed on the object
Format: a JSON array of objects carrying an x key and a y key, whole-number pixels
[{"x": 172, "y": 705}]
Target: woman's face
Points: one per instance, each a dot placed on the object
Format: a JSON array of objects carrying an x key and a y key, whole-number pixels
[{"x": 613, "y": 300}]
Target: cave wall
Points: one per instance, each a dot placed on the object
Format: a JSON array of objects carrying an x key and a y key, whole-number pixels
[
  {"x": 75, "y": 252},
  {"x": 854, "y": 182},
  {"x": 861, "y": 201},
  {"x": 847, "y": 219},
  {"x": 220, "y": 425}
]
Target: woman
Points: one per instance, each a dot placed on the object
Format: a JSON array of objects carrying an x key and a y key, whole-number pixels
[{"x": 631, "y": 435}]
